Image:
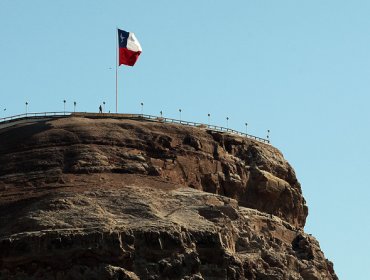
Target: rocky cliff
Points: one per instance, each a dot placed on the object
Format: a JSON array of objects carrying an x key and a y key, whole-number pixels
[{"x": 103, "y": 198}]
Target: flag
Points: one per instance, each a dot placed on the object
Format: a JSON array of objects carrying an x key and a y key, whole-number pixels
[{"x": 129, "y": 48}]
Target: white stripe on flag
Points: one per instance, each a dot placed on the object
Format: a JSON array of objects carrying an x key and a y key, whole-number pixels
[{"x": 133, "y": 44}]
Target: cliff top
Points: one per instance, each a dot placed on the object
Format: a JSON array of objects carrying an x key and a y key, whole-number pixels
[{"x": 253, "y": 173}]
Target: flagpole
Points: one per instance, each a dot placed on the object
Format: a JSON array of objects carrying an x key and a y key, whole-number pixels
[{"x": 116, "y": 70}]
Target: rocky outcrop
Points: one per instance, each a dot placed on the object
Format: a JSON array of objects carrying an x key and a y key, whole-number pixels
[
  {"x": 147, "y": 233},
  {"x": 84, "y": 198},
  {"x": 253, "y": 173}
]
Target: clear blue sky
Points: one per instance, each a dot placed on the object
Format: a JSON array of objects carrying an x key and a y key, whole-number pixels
[{"x": 298, "y": 68}]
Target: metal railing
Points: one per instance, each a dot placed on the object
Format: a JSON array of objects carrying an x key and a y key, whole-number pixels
[
  {"x": 199, "y": 125},
  {"x": 133, "y": 117},
  {"x": 30, "y": 115}
]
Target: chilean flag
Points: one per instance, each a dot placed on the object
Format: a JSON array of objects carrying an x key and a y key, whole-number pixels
[{"x": 129, "y": 48}]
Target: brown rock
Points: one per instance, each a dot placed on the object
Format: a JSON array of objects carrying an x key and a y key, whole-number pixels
[
  {"x": 251, "y": 172},
  {"x": 145, "y": 232},
  {"x": 110, "y": 199}
]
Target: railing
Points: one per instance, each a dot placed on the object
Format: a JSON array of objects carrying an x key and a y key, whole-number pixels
[
  {"x": 201, "y": 125},
  {"x": 27, "y": 115},
  {"x": 134, "y": 117}
]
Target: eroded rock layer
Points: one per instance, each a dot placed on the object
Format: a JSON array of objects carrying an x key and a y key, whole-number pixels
[{"x": 88, "y": 198}]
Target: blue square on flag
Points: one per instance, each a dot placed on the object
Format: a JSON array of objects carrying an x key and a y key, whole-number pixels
[{"x": 122, "y": 38}]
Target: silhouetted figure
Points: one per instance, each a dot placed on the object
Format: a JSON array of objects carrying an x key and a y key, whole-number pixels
[{"x": 100, "y": 109}]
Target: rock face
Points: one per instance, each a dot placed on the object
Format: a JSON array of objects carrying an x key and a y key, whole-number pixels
[{"x": 85, "y": 198}]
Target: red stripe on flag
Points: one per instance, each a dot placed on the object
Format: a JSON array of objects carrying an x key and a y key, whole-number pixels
[{"x": 128, "y": 57}]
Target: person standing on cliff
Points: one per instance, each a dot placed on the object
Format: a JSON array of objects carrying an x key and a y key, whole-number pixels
[{"x": 100, "y": 109}]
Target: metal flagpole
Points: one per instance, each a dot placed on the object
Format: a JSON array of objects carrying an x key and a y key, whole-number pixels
[{"x": 116, "y": 70}]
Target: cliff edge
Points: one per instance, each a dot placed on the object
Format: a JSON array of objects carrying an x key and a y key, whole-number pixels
[{"x": 103, "y": 198}]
